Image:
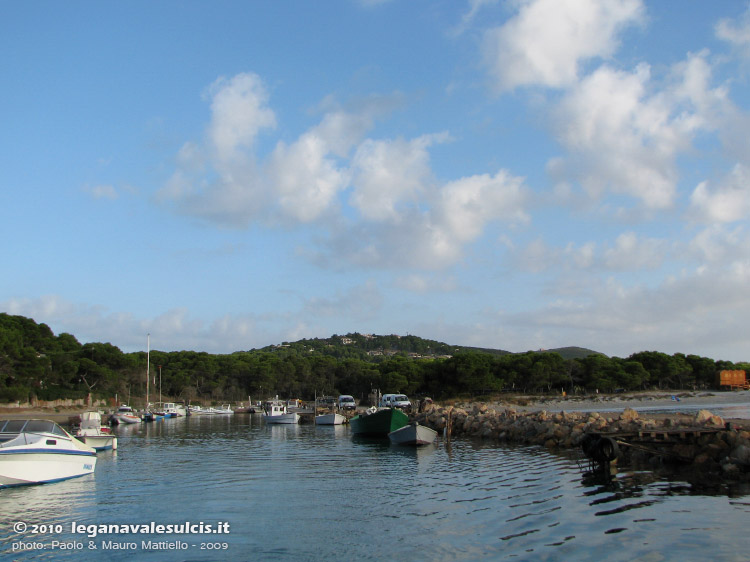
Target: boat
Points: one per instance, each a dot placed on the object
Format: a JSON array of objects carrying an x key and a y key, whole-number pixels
[
  {"x": 125, "y": 415},
  {"x": 378, "y": 422},
  {"x": 330, "y": 419},
  {"x": 276, "y": 412},
  {"x": 225, "y": 409},
  {"x": 40, "y": 451},
  {"x": 172, "y": 410},
  {"x": 94, "y": 434},
  {"x": 413, "y": 434}
]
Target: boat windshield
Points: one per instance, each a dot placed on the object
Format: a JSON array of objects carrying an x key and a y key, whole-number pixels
[{"x": 30, "y": 426}]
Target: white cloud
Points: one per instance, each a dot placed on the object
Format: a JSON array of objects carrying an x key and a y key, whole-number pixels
[
  {"x": 727, "y": 202},
  {"x": 387, "y": 175},
  {"x": 547, "y": 40},
  {"x": 736, "y": 32},
  {"x": 632, "y": 253},
  {"x": 718, "y": 244},
  {"x": 629, "y": 252},
  {"x": 305, "y": 180},
  {"x": 239, "y": 110},
  {"x": 624, "y": 138}
]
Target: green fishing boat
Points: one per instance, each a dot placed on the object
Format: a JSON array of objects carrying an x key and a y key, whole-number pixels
[{"x": 379, "y": 423}]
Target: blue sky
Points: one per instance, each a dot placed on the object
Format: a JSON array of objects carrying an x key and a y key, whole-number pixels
[{"x": 517, "y": 175}]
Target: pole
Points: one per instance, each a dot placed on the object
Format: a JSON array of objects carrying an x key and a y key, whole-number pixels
[
  {"x": 160, "y": 384},
  {"x": 148, "y": 362}
]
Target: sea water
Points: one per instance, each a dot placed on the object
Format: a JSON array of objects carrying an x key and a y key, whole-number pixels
[{"x": 234, "y": 488}]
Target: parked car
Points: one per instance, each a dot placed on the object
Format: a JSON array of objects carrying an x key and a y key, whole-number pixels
[
  {"x": 395, "y": 401},
  {"x": 347, "y": 402}
]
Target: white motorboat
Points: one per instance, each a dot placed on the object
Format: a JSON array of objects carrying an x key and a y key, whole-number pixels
[
  {"x": 171, "y": 410},
  {"x": 277, "y": 413},
  {"x": 94, "y": 434},
  {"x": 40, "y": 451},
  {"x": 413, "y": 434},
  {"x": 330, "y": 419},
  {"x": 225, "y": 409},
  {"x": 125, "y": 414}
]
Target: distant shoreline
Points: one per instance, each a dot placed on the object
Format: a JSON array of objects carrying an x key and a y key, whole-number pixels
[{"x": 649, "y": 404}]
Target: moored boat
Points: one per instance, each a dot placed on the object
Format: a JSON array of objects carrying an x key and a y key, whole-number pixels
[
  {"x": 172, "y": 410},
  {"x": 125, "y": 414},
  {"x": 413, "y": 434},
  {"x": 40, "y": 451},
  {"x": 277, "y": 413},
  {"x": 94, "y": 434},
  {"x": 378, "y": 422},
  {"x": 330, "y": 419},
  {"x": 223, "y": 410}
]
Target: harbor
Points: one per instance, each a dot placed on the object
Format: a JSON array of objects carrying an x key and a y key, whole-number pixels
[{"x": 310, "y": 492}]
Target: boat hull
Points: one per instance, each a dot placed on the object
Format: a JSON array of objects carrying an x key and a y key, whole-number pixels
[
  {"x": 330, "y": 419},
  {"x": 413, "y": 434},
  {"x": 23, "y": 469},
  {"x": 380, "y": 423},
  {"x": 99, "y": 442},
  {"x": 282, "y": 418},
  {"x": 125, "y": 418}
]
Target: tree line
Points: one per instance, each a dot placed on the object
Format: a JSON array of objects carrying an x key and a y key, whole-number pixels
[{"x": 36, "y": 363}]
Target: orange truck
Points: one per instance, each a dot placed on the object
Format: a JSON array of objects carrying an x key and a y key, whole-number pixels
[{"x": 733, "y": 379}]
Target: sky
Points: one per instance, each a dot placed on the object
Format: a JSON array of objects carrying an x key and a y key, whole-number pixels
[{"x": 518, "y": 175}]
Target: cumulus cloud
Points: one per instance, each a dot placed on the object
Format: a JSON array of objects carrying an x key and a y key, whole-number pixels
[
  {"x": 387, "y": 174},
  {"x": 546, "y": 42},
  {"x": 365, "y": 196},
  {"x": 736, "y": 32},
  {"x": 432, "y": 232},
  {"x": 239, "y": 111},
  {"x": 727, "y": 202},
  {"x": 624, "y": 134}
]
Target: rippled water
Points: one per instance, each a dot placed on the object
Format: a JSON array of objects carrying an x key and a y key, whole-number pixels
[{"x": 314, "y": 493}]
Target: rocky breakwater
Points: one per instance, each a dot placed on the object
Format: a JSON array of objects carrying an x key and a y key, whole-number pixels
[{"x": 703, "y": 440}]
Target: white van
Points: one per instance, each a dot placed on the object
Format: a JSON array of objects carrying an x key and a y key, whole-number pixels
[
  {"x": 347, "y": 402},
  {"x": 395, "y": 401}
]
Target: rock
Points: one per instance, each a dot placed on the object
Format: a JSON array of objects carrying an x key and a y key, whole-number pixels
[
  {"x": 629, "y": 414},
  {"x": 741, "y": 455},
  {"x": 702, "y": 416}
]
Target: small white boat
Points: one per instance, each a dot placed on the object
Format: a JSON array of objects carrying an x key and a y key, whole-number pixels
[
  {"x": 125, "y": 414},
  {"x": 172, "y": 410},
  {"x": 413, "y": 434},
  {"x": 94, "y": 434},
  {"x": 225, "y": 409},
  {"x": 330, "y": 419},
  {"x": 277, "y": 413},
  {"x": 40, "y": 451}
]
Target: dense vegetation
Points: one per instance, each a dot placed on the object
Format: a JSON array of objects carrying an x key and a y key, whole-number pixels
[{"x": 34, "y": 362}]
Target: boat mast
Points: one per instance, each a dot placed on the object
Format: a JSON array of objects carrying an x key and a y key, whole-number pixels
[{"x": 148, "y": 361}]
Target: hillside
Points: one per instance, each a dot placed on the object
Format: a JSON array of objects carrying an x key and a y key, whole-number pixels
[{"x": 37, "y": 364}]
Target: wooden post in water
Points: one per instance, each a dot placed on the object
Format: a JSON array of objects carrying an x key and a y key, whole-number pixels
[{"x": 449, "y": 424}]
